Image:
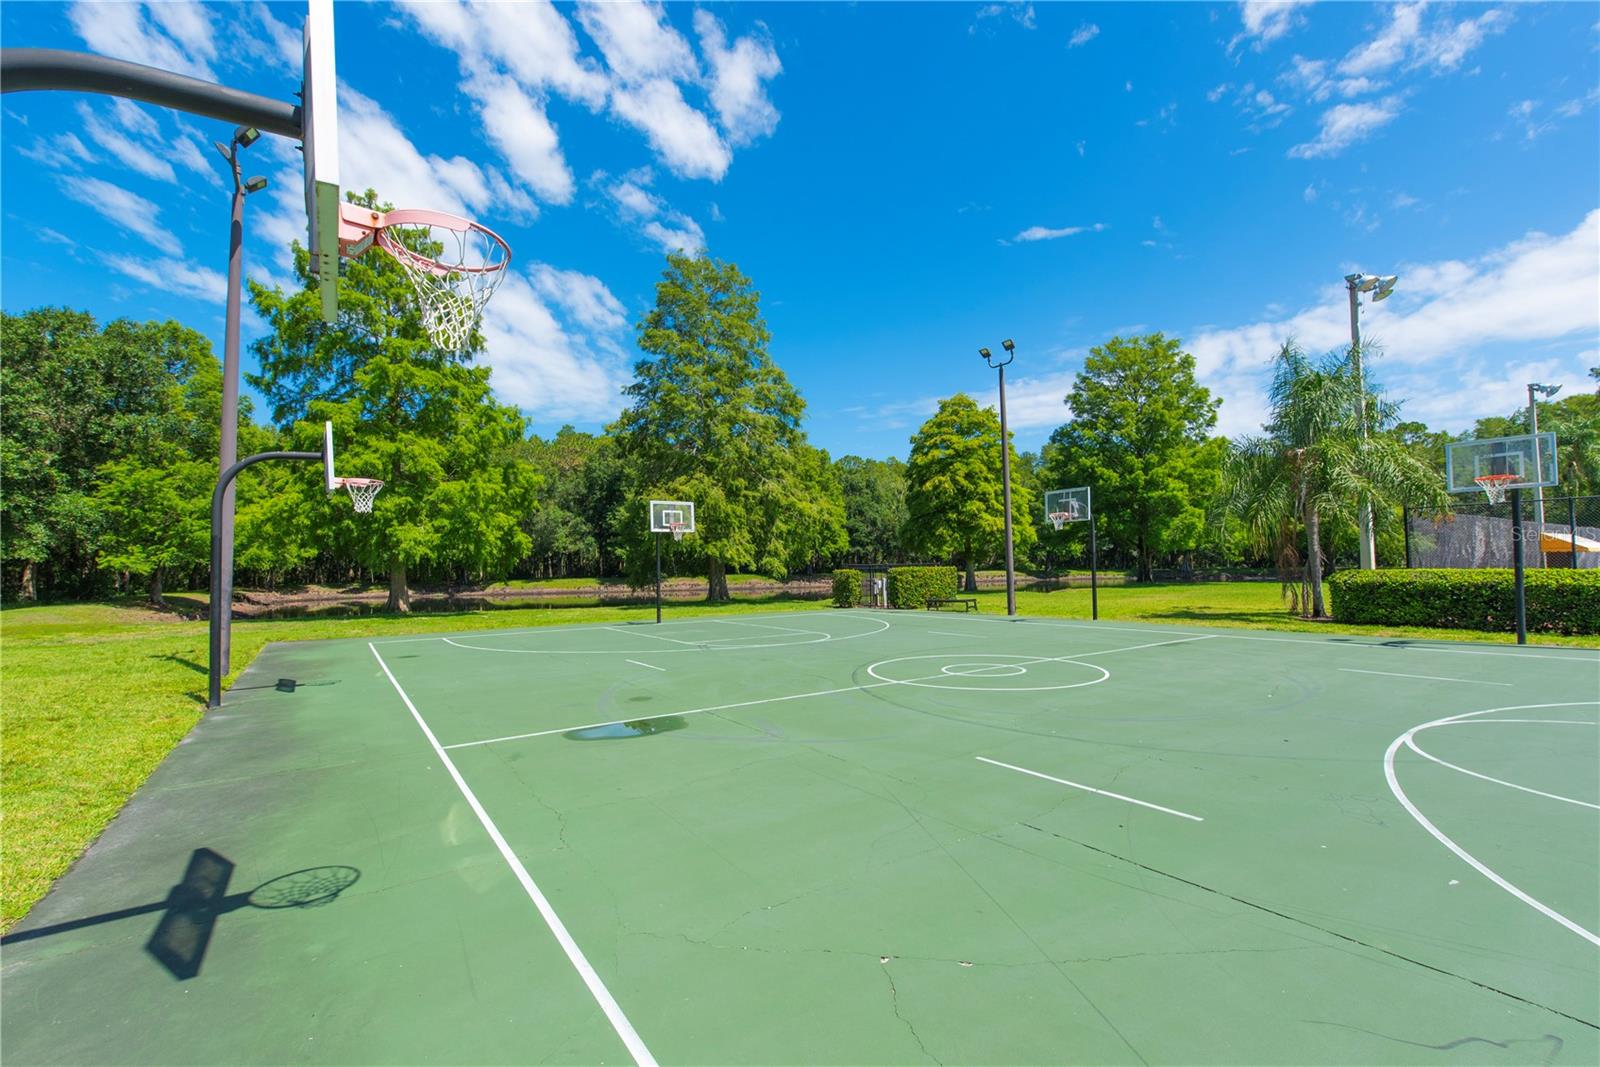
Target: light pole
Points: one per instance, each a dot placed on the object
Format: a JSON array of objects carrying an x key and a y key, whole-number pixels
[
  {"x": 1533, "y": 428},
  {"x": 228, "y": 447},
  {"x": 1358, "y": 284},
  {"x": 1005, "y": 466}
]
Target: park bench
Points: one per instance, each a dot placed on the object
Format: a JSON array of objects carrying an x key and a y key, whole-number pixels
[{"x": 968, "y": 603}]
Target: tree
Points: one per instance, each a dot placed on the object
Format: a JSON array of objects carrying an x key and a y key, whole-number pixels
[
  {"x": 155, "y": 517},
  {"x": 76, "y": 397},
  {"x": 955, "y": 502},
  {"x": 874, "y": 494},
  {"x": 1314, "y": 463},
  {"x": 712, "y": 419},
  {"x": 422, "y": 420},
  {"x": 1138, "y": 440}
]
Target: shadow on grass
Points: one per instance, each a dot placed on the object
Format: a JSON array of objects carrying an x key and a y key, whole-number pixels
[
  {"x": 1258, "y": 618},
  {"x": 199, "y": 668}
]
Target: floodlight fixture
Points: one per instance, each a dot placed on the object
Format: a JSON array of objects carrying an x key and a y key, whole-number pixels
[
  {"x": 256, "y": 184},
  {"x": 1386, "y": 286},
  {"x": 984, "y": 352},
  {"x": 1547, "y": 390},
  {"x": 245, "y": 136},
  {"x": 1009, "y": 345}
]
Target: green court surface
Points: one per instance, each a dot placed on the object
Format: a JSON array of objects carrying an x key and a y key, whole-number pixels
[{"x": 847, "y": 837}]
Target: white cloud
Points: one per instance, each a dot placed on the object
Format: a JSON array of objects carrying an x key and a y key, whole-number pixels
[
  {"x": 129, "y": 210},
  {"x": 583, "y": 297},
  {"x": 671, "y": 230},
  {"x": 1265, "y": 21},
  {"x": 63, "y": 151},
  {"x": 542, "y": 367},
  {"x": 1434, "y": 332},
  {"x": 540, "y": 49},
  {"x": 1345, "y": 124},
  {"x": 1080, "y": 146},
  {"x": 1403, "y": 40},
  {"x": 132, "y": 154},
  {"x": 738, "y": 76},
  {"x": 1021, "y": 13},
  {"x": 1045, "y": 233},
  {"x": 178, "y": 39},
  {"x": 1085, "y": 33},
  {"x": 1213, "y": 95},
  {"x": 173, "y": 275},
  {"x": 1310, "y": 194},
  {"x": 517, "y": 125},
  {"x": 273, "y": 41},
  {"x": 637, "y": 41},
  {"x": 683, "y": 137}
]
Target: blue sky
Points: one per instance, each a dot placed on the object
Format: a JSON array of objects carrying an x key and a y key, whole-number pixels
[{"x": 903, "y": 182}]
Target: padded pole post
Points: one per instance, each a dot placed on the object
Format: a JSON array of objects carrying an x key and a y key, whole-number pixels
[
  {"x": 658, "y": 579},
  {"x": 1094, "y": 571},
  {"x": 1572, "y": 526},
  {"x": 216, "y": 666},
  {"x": 1516, "y": 561}
]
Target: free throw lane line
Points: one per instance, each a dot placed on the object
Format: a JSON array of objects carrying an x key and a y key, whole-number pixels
[
  {"x": 1423, "y": 677},
  {"x": 1090, "y": 789},
  {"x": 597, "y": 988},
  {"x": 652, "y": 666}
]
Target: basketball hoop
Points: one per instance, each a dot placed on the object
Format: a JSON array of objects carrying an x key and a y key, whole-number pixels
[
  {"x": 362, "y": 492},
  {"x": 677, "y": 529},
  {"x": 1494, "y": 486},
  {"x": 1058, "y": 519},
  {"x": 454, "y": 265}
]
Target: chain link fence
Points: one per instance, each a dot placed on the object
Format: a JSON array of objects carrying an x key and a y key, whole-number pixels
[{"x": 1479, "y": 534}]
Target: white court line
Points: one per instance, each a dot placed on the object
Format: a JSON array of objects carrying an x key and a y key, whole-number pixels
[
  {"x": 597, "y": 988},
  {"x": 1413, "y": 746},
  {"x": 945, "y": 633},
  {"x": 802, "y": 696},
  {"x": 1438, "y": 835},
  {"x": 763, "y": 626},
  {"x": 652, "y": 666},
  {"x": 640, "y": 633},
  {"x": 1090, "y": 789},
  {"x": 1582, "y": 656},
  {"x": 1424, "y": 677}
]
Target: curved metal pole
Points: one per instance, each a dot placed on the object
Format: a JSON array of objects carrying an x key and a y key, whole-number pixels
[
  {"x": 215, "y": 668},
  {"x": 23, "y": 69}
]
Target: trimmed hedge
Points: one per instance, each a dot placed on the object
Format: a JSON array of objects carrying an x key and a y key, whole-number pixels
[
  {"x": 1559, "y": 601},
  {"x": 910, "y": 587},
  {"x": 847, "y": 586}
]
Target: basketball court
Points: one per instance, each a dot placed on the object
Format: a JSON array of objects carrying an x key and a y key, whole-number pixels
[{"x": 847, "y": 837}]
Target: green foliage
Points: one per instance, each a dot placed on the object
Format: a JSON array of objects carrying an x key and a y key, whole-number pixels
[
  {"x": 955, "y": 506},
  {"x": 847, "y": 588},
  {"x": 1138, "y": 439},
  {"x": 424, "y": 421},
  {"x": 1314, "y": 465},
  {"x": 76, "y": 397},
  {"x": 913, "y": 587},
  {"x": 1558, "y": 601},
  {"x": 156, "y": 517},
  {"x": 874, "y": 493},
  {"x": 712, "y": 419}
]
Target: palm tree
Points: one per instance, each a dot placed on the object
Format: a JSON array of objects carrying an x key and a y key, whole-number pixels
[{"x": 1313, "y": 464}]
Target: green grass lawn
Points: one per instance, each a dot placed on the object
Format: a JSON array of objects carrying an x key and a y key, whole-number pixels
[{"x": 96, "y": 695}]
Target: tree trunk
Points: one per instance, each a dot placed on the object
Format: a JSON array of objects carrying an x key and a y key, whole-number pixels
[
  {"x": 972, "y": 574},
  {"x": 1314, "y": 561},
  {"x": 28, "y": 591},
  {"x": 399, "y": 592},
  {"x": 1146, "y": 572},
  {"x": 155, "y": 588},
  {"x": 716, "y": 579}
]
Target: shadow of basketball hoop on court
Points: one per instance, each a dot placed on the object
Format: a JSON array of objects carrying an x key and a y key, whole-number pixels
[{"x": 192, "y": 908}]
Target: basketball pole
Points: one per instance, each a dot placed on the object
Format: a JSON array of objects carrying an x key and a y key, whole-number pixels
[
  {"x": 658, "y": 578},
  {"x": 1516, "y": 562},
  {"x": 1094, "y": 571}
]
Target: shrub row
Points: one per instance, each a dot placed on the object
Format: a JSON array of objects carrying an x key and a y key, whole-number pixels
[
  {"x": 847, "y": 587},
  {"x": 910, "y": 587},
  {"x": 1558, "y": 601}
]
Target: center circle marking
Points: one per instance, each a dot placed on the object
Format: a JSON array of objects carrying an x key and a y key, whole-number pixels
[{"x": 956, "y": 666}]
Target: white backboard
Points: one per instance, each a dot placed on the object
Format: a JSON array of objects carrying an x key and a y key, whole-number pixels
[
  {"x": 1525, "y": 460},
  {"x": 319, "y": 118},
  {"x": 668, "y": 516},
  {"x": 1072, "y": 503}
]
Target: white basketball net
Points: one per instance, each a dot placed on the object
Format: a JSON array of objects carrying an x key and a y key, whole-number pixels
[
  {"x": 1058, "y": 519},
  {"x": 1494, "y": 486},
  {"x": 362, "y": 492},
  {"x": 677, "y": 529},
  {"x": 453, "y": 286}
]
